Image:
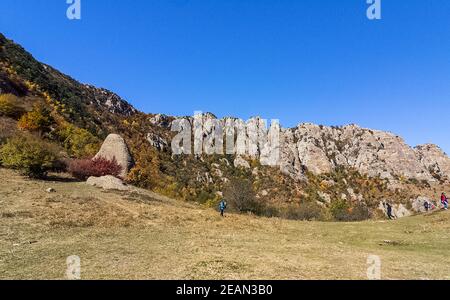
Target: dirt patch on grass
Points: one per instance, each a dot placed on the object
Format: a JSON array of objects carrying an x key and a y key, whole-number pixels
[
  {"x": 83, "y": 212},
  {"x": 16, "y": 214}
]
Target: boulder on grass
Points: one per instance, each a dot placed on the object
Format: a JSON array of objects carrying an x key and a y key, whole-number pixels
[
  {"x": 418, "y": 204},
  {"x": 108, "y": 183},
  {"x": 398, "y": 210},
  {"x": 114, "y": 146}
]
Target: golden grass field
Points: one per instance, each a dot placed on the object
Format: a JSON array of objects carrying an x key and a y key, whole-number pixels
[{"x": 140, "y": 235}]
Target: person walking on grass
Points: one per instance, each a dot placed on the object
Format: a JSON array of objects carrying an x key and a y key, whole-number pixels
[
  {"x": 222, "y": 207},
  {"x": 389, "y": 211},
  {"x": 444, "y": 201}
]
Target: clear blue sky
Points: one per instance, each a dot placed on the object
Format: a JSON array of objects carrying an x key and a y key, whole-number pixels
[{"x": 318, "y": 61}]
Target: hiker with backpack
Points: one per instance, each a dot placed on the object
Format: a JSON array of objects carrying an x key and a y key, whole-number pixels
[
  {"x": 222, "y": 207},
  {"x": 444, "y": 201}
]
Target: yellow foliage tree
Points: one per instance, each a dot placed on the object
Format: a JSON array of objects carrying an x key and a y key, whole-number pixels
[
  {"x": 37, "y": 120},
  {"x": 78, "y": 142}
]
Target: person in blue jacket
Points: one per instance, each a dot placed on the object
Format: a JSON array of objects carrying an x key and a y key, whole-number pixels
[{"x": 222, "y": 206}]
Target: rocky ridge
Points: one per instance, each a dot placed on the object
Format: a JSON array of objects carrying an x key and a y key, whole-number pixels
[{"x": 322, "y": 149}]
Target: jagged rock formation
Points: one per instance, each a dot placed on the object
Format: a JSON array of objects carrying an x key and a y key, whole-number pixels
[
  {"x": 161, "y": 120},
  {"x": 322, "y": 149},
  {"x": 434, "y": 160},
  {"x": 115, "y": 147},
  {"x": 157, "y": 142},
  {"x": 109, "y": 100}
]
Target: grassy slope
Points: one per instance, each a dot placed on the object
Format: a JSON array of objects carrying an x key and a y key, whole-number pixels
[{"x": 142, "y": 235}]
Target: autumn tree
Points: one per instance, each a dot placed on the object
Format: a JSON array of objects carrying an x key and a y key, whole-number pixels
[
  {"x": 38, "y": 120},
  {"x": 30, "y": 155}
]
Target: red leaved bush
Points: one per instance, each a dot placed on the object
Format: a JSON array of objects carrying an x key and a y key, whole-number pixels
[{"x": 84, "y": 168}]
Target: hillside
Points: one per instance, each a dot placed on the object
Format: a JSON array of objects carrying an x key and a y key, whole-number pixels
[
  {"x": 141, "y": 235},
  {"x": 321, "y": 168}
]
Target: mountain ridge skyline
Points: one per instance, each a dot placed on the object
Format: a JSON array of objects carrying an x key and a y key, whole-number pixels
[
  {"x": 296, "y": 60},
  {"x": 290, "y": 126}
]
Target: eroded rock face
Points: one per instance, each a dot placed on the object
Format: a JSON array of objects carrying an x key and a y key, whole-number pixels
[
  {"x": 111, "y": 101},
  {"x": 239, "y": 162},
  {"x": 323, "y": 149},
  {"x": 418, "y": 204},
  {"x": 157, "y": 142},
  {"x": 434, "y": 160},
  {"x": 114, "y": 146},
  {"x": 376, "y": 153},
  {"x": 161, "y": 120}
]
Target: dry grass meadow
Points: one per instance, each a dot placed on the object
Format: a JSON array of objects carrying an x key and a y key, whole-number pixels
[{"x": 140, "y": 235}]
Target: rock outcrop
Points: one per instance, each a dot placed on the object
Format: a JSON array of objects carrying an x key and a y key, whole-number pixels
[
  {"x": 161, "y": 120},
  {"x": 157, "y": 142},
  {"x": 107, "y": 183},
  {"x": 111, "y": 101},
  {"x": 418, "y": 204},
  {"x": 322, "y": 149},
  {"x": 434, "y": 160},
  {"x": 114, "y": 146},
  {"x": 398, "y": 210},
  {"x": 239, "y": 162}
]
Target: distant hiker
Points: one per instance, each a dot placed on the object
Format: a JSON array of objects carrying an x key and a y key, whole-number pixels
[
  {"x": 222, "y": 207},
  {"x": 444, "y": 201},
  {"x": 389, "y": 211},
  {"x": 426, "y": 205}
]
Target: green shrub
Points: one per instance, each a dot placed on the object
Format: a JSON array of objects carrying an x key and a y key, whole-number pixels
[
  {"x": 203, "y": 197},
  {"x": 342, "y": 211},
  {"x": 9, "y": 106},
  {"x": 30, "y": 155},
  {"x": 78, "y": 142}
]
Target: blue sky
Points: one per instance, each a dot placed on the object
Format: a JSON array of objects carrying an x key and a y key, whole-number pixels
[{"x": 319, "y": 61}]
